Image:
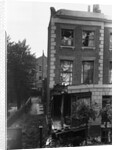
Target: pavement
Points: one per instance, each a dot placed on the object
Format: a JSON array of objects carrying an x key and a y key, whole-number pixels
[
  {"x": 29, "y": 124},
  {"x": 36, "y": 107}
]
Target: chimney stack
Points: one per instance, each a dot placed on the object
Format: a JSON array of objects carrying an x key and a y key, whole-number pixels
[
  {"x": 96, "y": 8},
  {"x": 89, "y": 8}
]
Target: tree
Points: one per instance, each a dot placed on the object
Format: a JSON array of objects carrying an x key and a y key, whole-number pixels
[
  {"x": 20, "y": 71},
  {"x": 84, "y": 113}
]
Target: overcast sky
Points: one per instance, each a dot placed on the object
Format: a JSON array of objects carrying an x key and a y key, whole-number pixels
[{"x": 30, "y": 19}]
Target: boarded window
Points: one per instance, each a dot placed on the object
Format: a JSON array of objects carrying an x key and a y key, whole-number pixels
[
  {"x": 88, "y": 38},
  {"x": 67, "y": 37},
  {"x": 87, "y": 72},
  {"x": 66, "y": 72}
]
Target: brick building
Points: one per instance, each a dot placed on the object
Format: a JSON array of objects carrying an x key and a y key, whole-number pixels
[
  {"x": 41, "y": 71},
  {"x": 80, "y": 60}
]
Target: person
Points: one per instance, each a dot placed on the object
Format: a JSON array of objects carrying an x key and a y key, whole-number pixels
[{"x": 86, "y": 40}]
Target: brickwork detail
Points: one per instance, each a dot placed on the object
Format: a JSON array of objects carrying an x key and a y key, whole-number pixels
[
  {"x": 52, "y": 55},
  {"x": 101, "y": 47}
]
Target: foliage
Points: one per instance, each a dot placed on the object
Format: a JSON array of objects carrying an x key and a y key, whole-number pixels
[
  {"x": 106, "y": 113},
  {"x": 85, "y": 112},
  {"x": 20, "y": 71}
]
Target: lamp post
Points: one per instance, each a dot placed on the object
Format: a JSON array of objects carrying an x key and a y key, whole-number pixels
[{"x": 40, "y": 131}]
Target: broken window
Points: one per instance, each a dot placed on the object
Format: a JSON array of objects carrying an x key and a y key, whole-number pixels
[
  {"x": 76, "y": 103},
  {"x": 87, "y": 72},
  {"x": 67, "y": 37},
  {"x": 88, "y": 38},
  {"x": 110, "y": 72},
  {"x": 110, "y": 46},
  {"x": 66, "y": 72}
]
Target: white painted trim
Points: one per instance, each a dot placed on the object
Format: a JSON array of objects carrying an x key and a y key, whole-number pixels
[
  {"x": 66, "y": 57},
  {"x": 88, "y": 58},
  {"x": 69, "y": 21},
  {"x": 108, "y": 25},
  {"x": 75, "y": 87}
]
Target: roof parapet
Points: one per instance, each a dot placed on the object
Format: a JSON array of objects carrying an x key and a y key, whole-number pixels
[{"x": 65, "y": 13}]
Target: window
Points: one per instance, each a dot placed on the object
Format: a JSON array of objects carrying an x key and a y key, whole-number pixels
[
  {"x": 40, "y": 78},
  {"x": 77, "y": 101},
  {"x": 67, "y": 37},
  {"x": 106, "y": 103},
  {"x": 66, "y": 72},
  {"x": 87, "y": 72},
  {"x": 88, "y": 38},
  {"x": 110, "y": 46},
  {"x": 40, "y": 68},
  {"x": 110, "y": 72}
]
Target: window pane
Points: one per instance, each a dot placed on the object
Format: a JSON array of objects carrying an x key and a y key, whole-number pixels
[
  {"x": 76, "y": 102},
  {"x": 66, "y": 78},
  {"x": 88, "y": 38},
  {"x": 66, "y": 72},
  {"x": 87, "y": 72},
  {"x": 66, "y": 66},
  {"x": 67, "y": 37}
]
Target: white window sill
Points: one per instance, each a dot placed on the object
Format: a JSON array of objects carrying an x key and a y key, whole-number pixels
[
  {"x": 92, "y": 48},
  {"x": 70, "y": 47}
]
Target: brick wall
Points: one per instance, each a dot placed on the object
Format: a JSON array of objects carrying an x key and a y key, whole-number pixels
[{"x": 78, "y": 54}]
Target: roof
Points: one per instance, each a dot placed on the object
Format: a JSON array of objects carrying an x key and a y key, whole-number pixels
[
  {"x": 41, "y": 57},
  {"x": 70, "y": 14}
]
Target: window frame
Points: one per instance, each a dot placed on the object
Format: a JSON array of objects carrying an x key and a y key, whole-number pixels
[
  {"x": 92, "y": 29},
  {"x": 82, "y": 72},
  {"x": 77, "y": 98},
  {"x": 63, "y": 72},
  {"x": 67, "y": 27}
]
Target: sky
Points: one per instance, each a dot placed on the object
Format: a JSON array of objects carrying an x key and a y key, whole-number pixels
[{"x": 29, "y": 20}]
